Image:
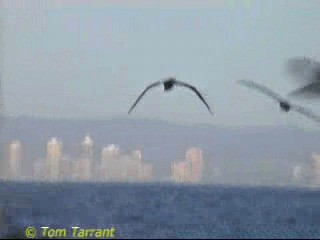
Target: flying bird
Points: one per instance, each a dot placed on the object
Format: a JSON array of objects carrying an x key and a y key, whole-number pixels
[
  {"x": 168, "y": 85},
  {"x": 303, "y": 68},
  {"x": 311, "y": 90},
  {"x": 285, "y": 105},
  {"x": 307, "y": 70}
]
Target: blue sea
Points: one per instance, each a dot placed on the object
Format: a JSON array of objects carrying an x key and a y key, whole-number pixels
[{"x": 163, "y": 210}]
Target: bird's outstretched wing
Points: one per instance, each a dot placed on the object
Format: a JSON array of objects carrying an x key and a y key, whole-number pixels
[
  {"x": 304, "y": 69},
  {"x": 197, "y": 92},
  {"x": 306, "y": 112},
  {"x": 261, "y": 89},
  {"x": 143, "y": 93},
  {"x": 311, "y": 90}
]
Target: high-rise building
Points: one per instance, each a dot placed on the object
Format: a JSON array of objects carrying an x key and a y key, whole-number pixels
[
  {"x": 181, "y": 171},
  {"x": 297, "y": 172},
  {"x": 40, "y": 170},
  {"x": 127, "y": 168},
  {"x": 54, "y": 149},
  {"x": 110, "y": 162},
  {"x": 146, "y": 172},
  {"x": 54, "y": 155},
  {"x": 2, "y": 149},
  {"x": 137, "y": 159},
  {"x": 87, "y": 148},
  {"x": 67, "y": 169},
  {"x": 111, "y": 151},
  {"x": 82, "y": 169},
  {"x": 195, "y": 156},
  {"x": 316, "y": 168},
  {"x": 137, "y": 154},
  {"x": 134, "y": 166},
  {"x": 15, "y": 160},
  {"x": 84, "y": 166}
]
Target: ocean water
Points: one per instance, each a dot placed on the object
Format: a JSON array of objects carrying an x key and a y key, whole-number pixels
[{"x": 163, "y": 210}]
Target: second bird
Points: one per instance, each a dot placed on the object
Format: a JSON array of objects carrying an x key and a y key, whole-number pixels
[
  {"x": 284, "y": 105},
  {"x": 305, "y": 70},
  {"x": 168, "y": 85}
]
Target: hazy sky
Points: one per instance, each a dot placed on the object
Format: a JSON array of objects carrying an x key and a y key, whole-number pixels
[{"x": 93, "y": 58}]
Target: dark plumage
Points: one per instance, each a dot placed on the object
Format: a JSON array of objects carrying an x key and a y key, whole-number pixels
[
  {"x": 311, "y": 90},
  {"x": 305, "y": 70},
  {"x": 283, "y": 103},
  {"x": 168, "y": 85}
]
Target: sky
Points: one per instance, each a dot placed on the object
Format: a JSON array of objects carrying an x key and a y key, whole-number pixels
[{"x": 92, "y": 59}]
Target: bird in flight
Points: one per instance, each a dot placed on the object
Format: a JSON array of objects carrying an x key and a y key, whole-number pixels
[
  {"x": 168, "y": 85},
  {"x": 285, "y": 105},
  {"x": 304, "y": 69}
]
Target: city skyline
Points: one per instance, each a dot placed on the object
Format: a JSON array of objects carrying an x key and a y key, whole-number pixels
[
  {"x": 244, "y": 155},
  {"x": 114, "y": 165}
]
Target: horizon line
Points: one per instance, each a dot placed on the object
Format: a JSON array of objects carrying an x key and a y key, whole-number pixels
[{"x": 131, "y": 118}]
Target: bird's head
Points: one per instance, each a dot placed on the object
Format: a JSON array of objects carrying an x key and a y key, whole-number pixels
[{"x": 285, "y": 106}]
